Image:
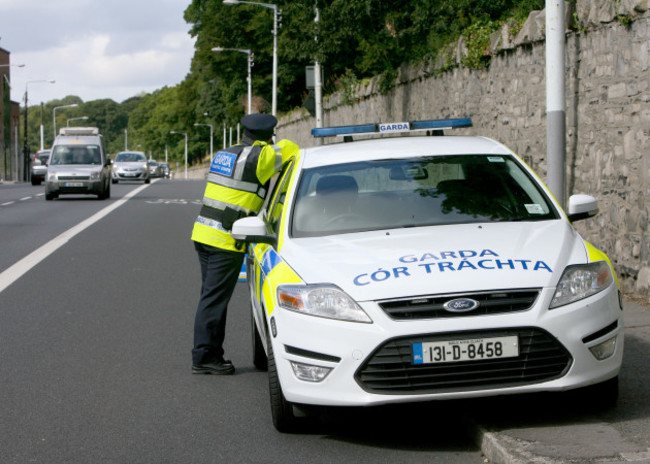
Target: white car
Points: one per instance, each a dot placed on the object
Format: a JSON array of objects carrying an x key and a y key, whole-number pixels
[{"x": 420, "y": 268}]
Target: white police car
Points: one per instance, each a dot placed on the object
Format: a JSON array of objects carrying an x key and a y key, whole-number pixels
[{"x": 424, "y": 267}]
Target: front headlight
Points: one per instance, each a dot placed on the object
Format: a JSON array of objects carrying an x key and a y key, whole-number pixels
[
  {"x": 321, "y": 300},
  {"x": 94, "y": 175},
  {"x": 580, "y": 281}
]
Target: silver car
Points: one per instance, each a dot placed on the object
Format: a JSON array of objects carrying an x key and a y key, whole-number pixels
[
  {"x": 39, "y": 166},
  {"x": 130, "y": 166},
  {"x": 78, "y": 164},
  {"x": 155, "y": 169}
]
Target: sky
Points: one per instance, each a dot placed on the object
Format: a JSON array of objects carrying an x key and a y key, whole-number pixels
[{"x": 94, "y": 49}]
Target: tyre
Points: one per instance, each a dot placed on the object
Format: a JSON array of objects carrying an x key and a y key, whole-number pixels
[
  {"x": 114, "y": 181},
  {"x": 36, "y": 181},
  {"x": 281, "y": 410},
  {"x": 51, "y": 196},
  {"x": 147, "y": 181},
  {"x": 107, "y": 192},
  {"x": 259, "y": 355}
]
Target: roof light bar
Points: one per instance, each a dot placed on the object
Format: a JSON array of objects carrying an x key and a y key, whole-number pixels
[{"x": 392, "y": 127}]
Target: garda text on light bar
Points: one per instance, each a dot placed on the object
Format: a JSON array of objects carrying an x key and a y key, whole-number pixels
[{"x": 394, "y": 127}]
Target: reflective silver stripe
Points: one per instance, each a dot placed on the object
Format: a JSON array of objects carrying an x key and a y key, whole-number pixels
[
  {"x": 210, "y": 223},
  {"x": 241, "y": 163},
  {"x": 278, "y": 157},
  {"x": 221, "y": 205},
  {"x": 232, "y": 183}
]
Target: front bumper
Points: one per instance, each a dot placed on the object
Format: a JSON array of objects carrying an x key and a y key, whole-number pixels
[
  {"x": 129, "y": 175},
  {"x": 84, "y": 186},
  {"x": 350, "y": 349}
]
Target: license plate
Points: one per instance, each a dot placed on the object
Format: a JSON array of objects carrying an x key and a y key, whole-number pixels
[
  {"x": 130, "y": 174},
  {"x": 73, "y": 184},
  {"x": 470, "y": 349}
]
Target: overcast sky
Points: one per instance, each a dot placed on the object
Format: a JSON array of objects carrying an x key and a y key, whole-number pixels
[{"x": 94, "y": 49}]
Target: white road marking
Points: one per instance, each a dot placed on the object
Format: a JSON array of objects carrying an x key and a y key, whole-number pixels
[
  {"x": 16, "y": 271},
  {"x": 26, "y": 198},
  {"x": 8, "y": 203}
]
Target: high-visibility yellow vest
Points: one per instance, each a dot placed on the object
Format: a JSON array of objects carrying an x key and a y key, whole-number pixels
[{"x": 237, "y": 185}]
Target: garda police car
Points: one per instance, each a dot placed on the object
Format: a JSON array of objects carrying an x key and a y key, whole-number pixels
[{"x": 419, "y": 268}]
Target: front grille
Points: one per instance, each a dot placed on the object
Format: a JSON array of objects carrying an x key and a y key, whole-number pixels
[
  {"x": 74, "y": 177},
  {"x": 390, "y": 370},
  {"x": 430, "y": 307}
]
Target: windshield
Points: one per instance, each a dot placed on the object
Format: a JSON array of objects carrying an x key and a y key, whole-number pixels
[
  {"x": 76, "y": 154},
  {"x": 130, "y": 158},
  {"x": 418, "y": 192},
  {"x": 42, "y": 156}
]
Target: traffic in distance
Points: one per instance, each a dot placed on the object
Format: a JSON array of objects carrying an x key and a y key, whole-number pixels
[
  {"x": 78, "y": 163},
  {"x": 418, "y": 268}
]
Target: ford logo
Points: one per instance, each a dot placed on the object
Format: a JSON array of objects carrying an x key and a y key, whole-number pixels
[{"x": 461, "y": 305}]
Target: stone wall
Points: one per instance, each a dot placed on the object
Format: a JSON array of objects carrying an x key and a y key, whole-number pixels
[{"x": 607, "y": 105}]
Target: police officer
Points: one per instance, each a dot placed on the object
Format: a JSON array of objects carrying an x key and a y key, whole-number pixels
[{"x": 236, "y": 186}]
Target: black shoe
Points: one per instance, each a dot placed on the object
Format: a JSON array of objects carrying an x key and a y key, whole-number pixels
[{"x": 221, "y": 367}]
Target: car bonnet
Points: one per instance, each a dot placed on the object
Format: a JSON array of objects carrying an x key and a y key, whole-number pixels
[{"x": 440, "y": 259}]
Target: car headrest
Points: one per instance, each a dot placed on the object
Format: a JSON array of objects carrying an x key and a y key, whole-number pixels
[{"x": 335, "y": 184}]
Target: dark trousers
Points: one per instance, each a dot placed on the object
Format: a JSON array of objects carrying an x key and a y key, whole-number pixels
[{"x": 219, "y": 274}]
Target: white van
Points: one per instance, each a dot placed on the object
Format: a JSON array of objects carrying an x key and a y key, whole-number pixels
[{"x": 78, "y": 164}]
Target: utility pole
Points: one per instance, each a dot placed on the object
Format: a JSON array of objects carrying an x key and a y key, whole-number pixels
[
  {"x": 318, "y": 85},
  {"x": 555, "y": 98}
]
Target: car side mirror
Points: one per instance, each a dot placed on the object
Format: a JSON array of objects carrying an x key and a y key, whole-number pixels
[
  {"x": 252, "y": 229},
  {"x": 582, "y": 207}
]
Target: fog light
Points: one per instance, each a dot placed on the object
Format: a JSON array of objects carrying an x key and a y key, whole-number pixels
[
  {"x": 309, "y": 373},
  {"x": 604, "y": 350}
]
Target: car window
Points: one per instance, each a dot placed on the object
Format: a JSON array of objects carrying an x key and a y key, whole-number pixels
[
  {"x": 130, "y": 158},
  {"x": 43, "y": 156},
  {"x": 275, "y": 207},
  {"x": 416, "y": 192},
  {"x": 76, "y": 154}
]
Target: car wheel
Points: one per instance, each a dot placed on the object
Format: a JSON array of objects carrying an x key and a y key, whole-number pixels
[
  {"x": 107, "y": 193},
  {"x": 114, "y": 181},
  {"x": 51, "y": 196},
  {"x": 36, "y": 181},
  {"x": 260, "y": 360},
  {"x": 147, "y": 181},
  {"x": 281, "y": 410}
]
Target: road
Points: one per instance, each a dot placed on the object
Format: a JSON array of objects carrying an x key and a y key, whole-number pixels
[{"x": 95, "y": 339}]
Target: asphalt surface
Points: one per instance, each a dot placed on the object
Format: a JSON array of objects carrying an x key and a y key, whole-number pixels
[{"x": 94, "y": 365}]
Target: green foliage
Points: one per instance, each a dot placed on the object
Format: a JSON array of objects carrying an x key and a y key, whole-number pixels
[
  {"x": 478, "y": 41},
  {"x": 354, "y": 40}
]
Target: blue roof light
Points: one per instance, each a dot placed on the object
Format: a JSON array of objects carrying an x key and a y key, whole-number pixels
[{"x": 393, "y": 127}]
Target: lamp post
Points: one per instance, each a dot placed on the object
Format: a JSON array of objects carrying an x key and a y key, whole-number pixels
[
  {"x": 250, "y": 65},
  {"x": 211, "y": 137},
  {"x": 185, "y": 134},
  {"x": 84, "y": 118},
  {"x": 276, "y": 14},
  {"x": 25, "y": 139},
  {"x": 73, "y": 105}
]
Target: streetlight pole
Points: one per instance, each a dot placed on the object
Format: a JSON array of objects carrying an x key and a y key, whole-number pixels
[
  {"x": 211, "y": 137},
  {"x": 25, "y": 139},
  {"x": 276, "y": 15},
  {"x": 185, "y": 134},
  {"x": 250, "y": 65},
  {"x": 74, "y": 105}
]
